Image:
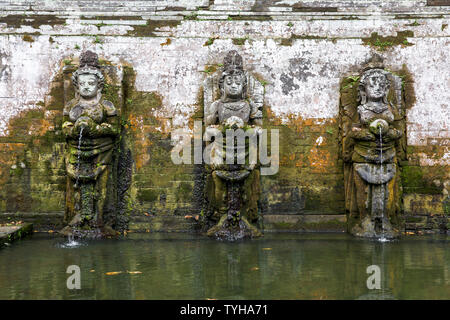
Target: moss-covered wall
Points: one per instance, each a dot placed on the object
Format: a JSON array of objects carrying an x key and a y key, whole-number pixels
[{"x": 300, "y": 53}]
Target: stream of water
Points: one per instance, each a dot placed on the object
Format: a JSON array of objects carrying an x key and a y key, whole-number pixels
[{"x": 383, "y": 237}]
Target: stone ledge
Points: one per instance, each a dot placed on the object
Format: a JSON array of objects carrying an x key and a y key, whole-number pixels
[
  {"x": 236, "y": 6},
  {"x": 42, "y": 221},
  {"x": 272, "y": 223},
  {"x": 305, "y": 223},
  {"x": 162, "y": 224},
  {"x": 10, "y": 233}
]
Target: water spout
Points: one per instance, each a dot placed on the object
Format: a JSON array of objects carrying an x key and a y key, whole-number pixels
[
  {"x": 382, "y": 238},
  {"x": 381, "y": 146}
]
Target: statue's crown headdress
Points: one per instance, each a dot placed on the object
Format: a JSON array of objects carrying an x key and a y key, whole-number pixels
[
  {"x": 376, "y": 62},
  {"x": 90, "y": 59},
  {"x": 232, "y": 61}
]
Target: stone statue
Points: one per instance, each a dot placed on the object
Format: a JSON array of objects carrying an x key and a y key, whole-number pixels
[
  {"x": 370, "y": 140},
  {"x": 232, "y": 189},
  {"x": 91, "y": 127}
]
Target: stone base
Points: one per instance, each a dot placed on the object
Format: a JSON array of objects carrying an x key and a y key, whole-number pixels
[
  {"x": 369, "y": 228},
  {"x": 9, "y": 234},
  {"x": 41, "y": 221},
  {"x": 225, "y": 230},
  {"x": 93, "y": 233}
]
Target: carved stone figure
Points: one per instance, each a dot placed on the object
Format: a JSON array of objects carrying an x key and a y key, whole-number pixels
[
  {"x": 91, "y": 127},
  {"x": 370, "y": 140},
  {"x": 232, "y": 189}
]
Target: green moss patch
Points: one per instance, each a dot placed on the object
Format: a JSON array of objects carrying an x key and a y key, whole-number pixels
[
  {"x": 152, "y": 26},
  {"x": 148, "y": 195},
  {"x": 251, "y": 17},
  {"x": 417, "y": 179},
  {"x": 35, "y": 21},
  {"x": 382, "y": 43},
  {"x": 27, "y": 38},
  {"x": 239, "y": 41},
  {"x": 210, "y": 41}
]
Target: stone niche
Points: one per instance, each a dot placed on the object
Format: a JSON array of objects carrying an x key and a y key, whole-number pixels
[
  {"x": 98, "y": 176},
  {"x": 372, "y": 132},
  {"x": 233, "y": 101}
]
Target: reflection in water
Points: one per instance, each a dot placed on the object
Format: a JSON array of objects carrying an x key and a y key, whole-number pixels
[{"x": 179, "y": 266}]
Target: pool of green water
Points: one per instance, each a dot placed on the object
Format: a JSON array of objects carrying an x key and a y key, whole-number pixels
[{"x": 183, "y": 266}]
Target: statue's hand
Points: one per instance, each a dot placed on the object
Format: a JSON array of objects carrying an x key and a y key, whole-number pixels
[
  {"x": 106, "y": 125},
  {"x": 392, "y": 134},
  {"x": 83, "y": 123},
  {"x": 362, "y": 134},
  {"x": 103, "y": 127}
]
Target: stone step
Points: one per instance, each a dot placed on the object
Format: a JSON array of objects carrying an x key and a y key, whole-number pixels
[
  {"x": 42, "y": 221},
  {"x": 9, "y": 233},
  {"x": 305, "y": 223},
  {"x": 271, "y": 223}
]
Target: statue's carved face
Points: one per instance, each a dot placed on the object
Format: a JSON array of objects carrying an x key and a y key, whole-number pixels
[
  {"x": 233, "y": 86},
  {"x": 87, "y": 85},
  {"x": 376, "y": 86}
]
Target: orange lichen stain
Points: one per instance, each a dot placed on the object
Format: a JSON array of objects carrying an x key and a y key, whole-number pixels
[
  {"x": 319, "y": 124},
  {"x": 41, "y": 127},
  {"x": 300, "y": 161},
  {"x": 284, "y": 161},
  {"x": 9, "y": 153},
  {"x": 319, "y": 160},
  {"x": 319, "y": 294},
  {"x": 272, "y": 117},
  {"x": 141, "y": 142},
  {"x": 168, "y": 41},
  {"x": 298, "y": 123}
]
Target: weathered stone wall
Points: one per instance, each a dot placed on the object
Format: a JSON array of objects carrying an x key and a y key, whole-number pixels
[{"x": 301, "y": 52}]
